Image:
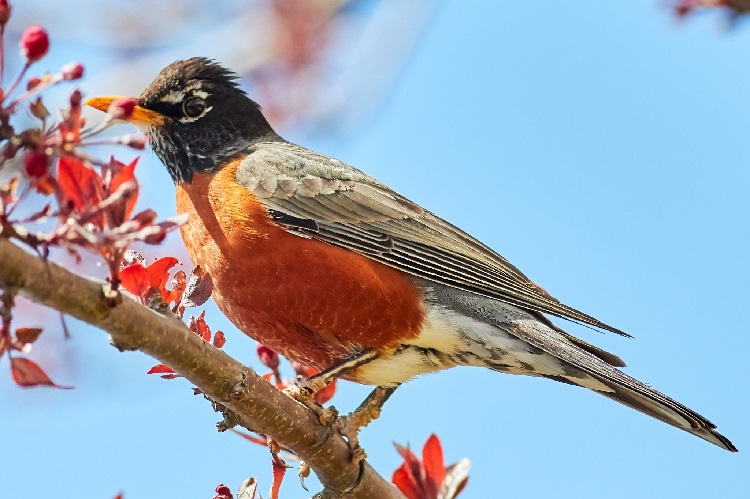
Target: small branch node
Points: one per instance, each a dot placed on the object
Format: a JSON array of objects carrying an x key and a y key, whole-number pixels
[
  {"x": 112, "y": 297},
  {"x": 237, "y": 389}
]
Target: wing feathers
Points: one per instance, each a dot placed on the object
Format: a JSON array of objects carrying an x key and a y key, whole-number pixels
[{"x": 338, "y": 204}]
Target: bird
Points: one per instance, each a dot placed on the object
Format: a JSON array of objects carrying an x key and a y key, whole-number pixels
[{"x": 328, "y": 266}]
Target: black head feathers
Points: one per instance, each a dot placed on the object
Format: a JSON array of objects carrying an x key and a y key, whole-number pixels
[{"x": 208, "y": 119}]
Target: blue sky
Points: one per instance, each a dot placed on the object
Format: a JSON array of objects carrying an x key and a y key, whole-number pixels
[{"x": 602, "y": 148}]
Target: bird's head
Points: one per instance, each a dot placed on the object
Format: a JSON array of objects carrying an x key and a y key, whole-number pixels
[{"x": 196, "y": 116}]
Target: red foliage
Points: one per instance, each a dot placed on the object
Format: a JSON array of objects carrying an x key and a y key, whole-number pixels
[
  {"x": 270, "y": 359},
  {"x": 134, "y": 279},
  {"x": 260, "y": 440},
  {"x": 432, "y": 458},
  {"x": 158, "y": 273},
  {"x": 219, "y": 339},
  {"x": 198, "y": 326},
  {"x": 140, "y": 281},
  {"x": 27, "y": 373},
  {"x": 198, "y": 288},
  {"x": 429, "y": 478},
  {"x": 80, "y": 185},
  {"x": 120, "y": 175},
  {"x": 27, "y": 335},
  {"x": 161, "y": 369},
  {"x": 33, "y": 82},
  {"x": 279, "y": 470}
]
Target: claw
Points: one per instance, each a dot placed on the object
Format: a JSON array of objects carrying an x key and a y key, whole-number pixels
[{"x": 304, "y": 393}]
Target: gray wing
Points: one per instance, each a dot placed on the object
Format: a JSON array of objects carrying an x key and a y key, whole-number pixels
[{"x": 322, "y": 198}]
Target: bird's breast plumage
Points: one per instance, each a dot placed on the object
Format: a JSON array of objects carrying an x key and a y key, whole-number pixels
[{"x": 311, "y": 301}]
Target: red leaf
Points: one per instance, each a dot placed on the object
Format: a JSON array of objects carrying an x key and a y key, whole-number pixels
[
  {"x": 178, "y": 287},
  {"x": 80, "y": 185},
  {"x": 161, "y": 369},
  {"x": 219, "y": 339},
  {"x": 278, "y": 475},
  {"x": 135, "y": 279},
  {"x": 28, "y": 335},
  {"x": 432, "y": 459},
  {"x": 127, "y": 174},
  {"x": 43, "y": 186},
  {"x": 198, "y": 288},
  {"x": 158, "y": 274},
  {"x": 411, "y": 476},
  {"x": 198, "y": 326},
  {"x": 145, "y": 217},
  {"x": 27, "y": 373},
  {"x": 261, "y": 440},
  {"x": 406, "y": 483}
]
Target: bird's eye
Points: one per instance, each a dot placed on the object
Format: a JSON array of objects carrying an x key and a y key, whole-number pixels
[{"x": 193, "y": 107}]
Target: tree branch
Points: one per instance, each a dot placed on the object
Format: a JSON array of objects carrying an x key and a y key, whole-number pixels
[{"x": 260, "y": 406}]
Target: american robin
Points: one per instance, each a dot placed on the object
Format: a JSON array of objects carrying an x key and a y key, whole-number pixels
[{"x": 326, "y": 265}]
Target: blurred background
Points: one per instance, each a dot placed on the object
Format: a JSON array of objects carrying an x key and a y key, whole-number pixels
[{"x": 599, "y": 146}]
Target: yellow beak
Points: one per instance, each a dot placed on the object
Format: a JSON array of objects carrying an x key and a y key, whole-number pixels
[{"x": 140, "y": 115}]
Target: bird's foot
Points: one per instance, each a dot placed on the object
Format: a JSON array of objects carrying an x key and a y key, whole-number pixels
[
  {"x": 367, "y": 412},
  {"x": 304, "y": 393}
]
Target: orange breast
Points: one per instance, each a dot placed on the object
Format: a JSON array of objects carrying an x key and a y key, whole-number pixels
[{"x": 310, "y": 301}]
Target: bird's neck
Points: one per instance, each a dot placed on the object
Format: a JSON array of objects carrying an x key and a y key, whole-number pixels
[{"x": 183, "y": 164}]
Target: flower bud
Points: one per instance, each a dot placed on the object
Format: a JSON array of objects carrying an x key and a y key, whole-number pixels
[
  {"x": 75, "y": 99},
  {"x": 34, "y": 43},
  {"x": 122, "y": 109},
  {"x": 5, "y": 9},
  {"x": 268, "y": 357},
  {"x": 72, "y": 70},
  {"x": 36, "y": 164},
  {"x": 33, "y": 82},
  {"x": 223, "y": 492}
]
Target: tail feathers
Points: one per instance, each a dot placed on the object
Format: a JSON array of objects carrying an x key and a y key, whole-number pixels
[
  {"x": 617, "y": 385},
  {"x": 657, "y": 405},
  {"x": 545, "y": 350}
]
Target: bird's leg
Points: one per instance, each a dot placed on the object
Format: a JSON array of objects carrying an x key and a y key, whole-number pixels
[
  {"x": 317, "y": 382},
  {"x": 304, "y": 391},
  {"x": 367, "y": 412}
]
